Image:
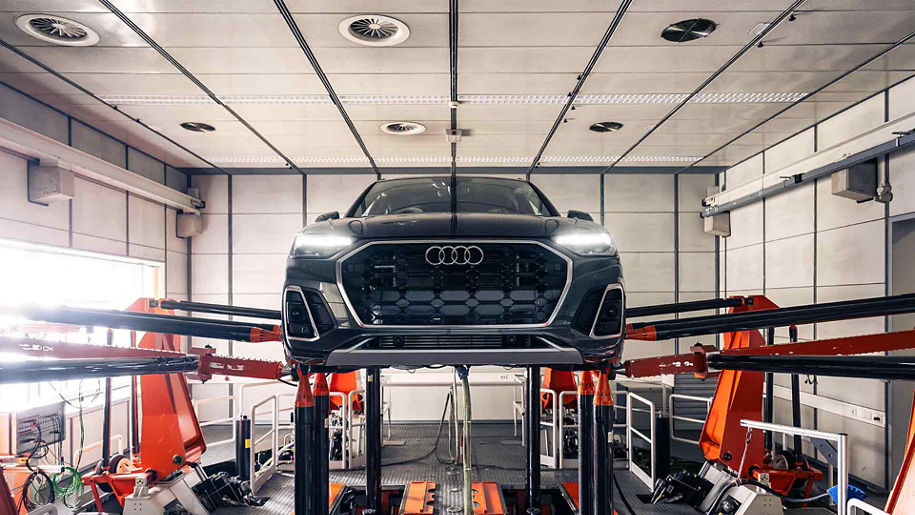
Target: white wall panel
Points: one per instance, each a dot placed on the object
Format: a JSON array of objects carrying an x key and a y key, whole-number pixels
[
  {"x": 902, "y": 99},
  {"x": 335, "y": 192},
  {"x": 258, "y": 273},
  {"x": 267, "y": 194},
  {"x": 746, "y": 226},
  {"x": 850, "y": 123},
  {"x": 745, "y": 172},
  {"x": 176, "y": 273},
  {"x": 264, "y": 233},
  {"x": 144, "y": 252},
  {"x": 96, "y": 244},
  {"x": 99, "y": 211},
  {"x": 638, "y": 193},
  {"x": 788, "y": 297},
  {"x": 565, "y": 191},
  {"x": 843, "y": 328},
  {"x": 215, "y": 236},
  {"x": 790, "y": 213},
  {"x": 146, "y": 223},
  {"x": 22, "y": 231},
  {"x": 693, "y": 188},
  {"x": 789, "y": 262},
  {"x": 790, "y": 151},
  {"x": 648, "y": 272},
  {"x": 209, "y": 275},
  {"x": 902, "y": 177},
  {"x": 214, "y": 190},
  {"x": 745, "y": 268},
  {"x": 697, "y": 272},
  {"x": 693, "y": 237},
  {"x": 642, "y": 232},
  {"x": 851, "y": 255},
  {"x": 865, "y": 440}
]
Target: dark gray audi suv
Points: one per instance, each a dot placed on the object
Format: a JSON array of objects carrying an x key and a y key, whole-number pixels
[{"x": 440, "y": 271}]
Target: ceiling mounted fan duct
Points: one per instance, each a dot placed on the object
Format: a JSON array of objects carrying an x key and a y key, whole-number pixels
[
  {"x": 606, "y": 126},
  {"x": 403, "y": 128},
  {"x": 374, "y": 30},
  {"x": 57, "y": 30},
  {"x": 688, "y": 30}
]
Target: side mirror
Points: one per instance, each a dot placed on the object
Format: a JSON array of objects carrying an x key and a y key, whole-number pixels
[
  {"x": 581, "y": 215},
  {"x": 331, "y": 215}
]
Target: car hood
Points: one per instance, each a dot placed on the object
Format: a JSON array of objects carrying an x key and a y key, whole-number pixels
[{"x": 441, "y": 225}]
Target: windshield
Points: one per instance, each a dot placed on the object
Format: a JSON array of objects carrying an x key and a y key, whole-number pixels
[{"x": 433, "y": 195}]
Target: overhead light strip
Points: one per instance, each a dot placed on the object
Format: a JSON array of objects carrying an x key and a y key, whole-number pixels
[
  {"x": 446, "y": 159},
  {"x": 584, "y": 99}
]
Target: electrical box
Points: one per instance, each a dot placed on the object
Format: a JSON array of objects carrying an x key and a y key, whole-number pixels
[
  {"x": 50, "y": 183},
  {"x": 22, "y": 432},
  {"x": 453, "y": 135},
  {"x": 719, "y": 225},
  {"x": 858, "y": 182},
  {"x": 189, "y": 225}
]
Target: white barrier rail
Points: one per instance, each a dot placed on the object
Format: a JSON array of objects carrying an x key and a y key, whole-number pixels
[
  {"x": 258, "y": 478},
  {"x": 648, "y": 479},
  {"x": 855, "y": 505},
  {"x": 226, "y": 420},
  {"x": 95, "y": 445},
  {"x": 841, "y": 441},
  {"x": 674, "y": 417}
]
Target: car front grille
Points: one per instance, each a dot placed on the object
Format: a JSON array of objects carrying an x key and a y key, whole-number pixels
[{"x": 394, "y": 284}]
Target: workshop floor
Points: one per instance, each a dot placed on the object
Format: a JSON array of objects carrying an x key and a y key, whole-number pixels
[{"x": 497, "y": 456}]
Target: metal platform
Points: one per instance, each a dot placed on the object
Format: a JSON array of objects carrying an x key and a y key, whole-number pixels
[{"x": 498, "y": 456}]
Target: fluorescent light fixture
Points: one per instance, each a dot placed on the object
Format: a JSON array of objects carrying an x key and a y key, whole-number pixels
[
  {"x": 749, "y": 97},
  {"x": 359, "y": 160}
]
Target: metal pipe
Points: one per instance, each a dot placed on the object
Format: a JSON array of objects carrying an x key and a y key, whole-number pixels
[
  {"x": 586, "y": 443},
  {"x": 745, "y": 321},
  {"x": 243, "y": 448},
  {"x": 373, "y": 440},
  {"x": 190, "y": 76},
  {"x": 106, "y": 414},
  {"x": 303, "y": 44},
  {"x": 603, "y": 460},
  {"x": 580, "y": 82},
  {"x": 468, "y": 466},
  {"x": 796, "y": 401},
  {"x": 304, "y": 447},
  {"x": 806, "y": 96},
  {"x": 453, "y": 12},
  {"x": 684, "y": 307},
  {"x": 218, "y": 309},
  {"x": 32, "y": 371},
  {"x": 321, "y": 446},
  {"x": 866, "y": 367},
  {"x": 533, "y": 440},
  {"x": 769, "y": 401},
  {"x": 149, "y": 322},
  {"x": 746, "y": 48}
]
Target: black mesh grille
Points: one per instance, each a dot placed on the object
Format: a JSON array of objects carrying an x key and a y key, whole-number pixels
[
  {"x": 393, "y": 284},
  {"x": 493, "y": 341}
]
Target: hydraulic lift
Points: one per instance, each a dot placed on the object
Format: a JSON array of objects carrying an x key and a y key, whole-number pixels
[{"x": 739, "y": 369}]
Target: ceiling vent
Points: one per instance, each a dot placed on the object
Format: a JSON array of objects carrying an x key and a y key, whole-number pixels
[
  {"x": 606, "y": 126},
  {"x": 374, "y": 30},
  {"x": 688, "y": 30},
  {"x": 403, "y": 128},
  {"x": 197, "y": 127},
  {"x": 57, "y": 30}
]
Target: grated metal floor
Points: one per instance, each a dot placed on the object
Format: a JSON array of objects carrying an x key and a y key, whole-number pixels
[{"x": 497, "y": 456}]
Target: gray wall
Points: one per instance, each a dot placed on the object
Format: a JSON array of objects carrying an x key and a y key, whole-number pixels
[{"x": 808, "y": 245}]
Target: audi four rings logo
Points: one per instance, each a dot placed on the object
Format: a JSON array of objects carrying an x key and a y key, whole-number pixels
[{"x": 456, "y": 255}]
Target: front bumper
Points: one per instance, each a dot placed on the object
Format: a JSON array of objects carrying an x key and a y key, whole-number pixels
[{"x": 341, "y": 339}]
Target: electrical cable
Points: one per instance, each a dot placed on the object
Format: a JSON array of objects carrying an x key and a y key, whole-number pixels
[{"x": 796, "y": 500}]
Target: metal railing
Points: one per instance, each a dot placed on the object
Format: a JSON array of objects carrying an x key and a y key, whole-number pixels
[
  {"x": 857, "y": 504},
  {"x": 259, "y": 477},
  {"x": 95, "y": 445},
  {"x": 841, "y": 441},
  {"x": 225, "y": 420},
  {"x": 648, "y": 479},
  {"x": 674, "y": 417}
]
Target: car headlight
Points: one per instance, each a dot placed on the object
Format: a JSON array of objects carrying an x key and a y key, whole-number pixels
[
  {"x": 587, "y": 243},
  {"x": 317, "y": 245}
]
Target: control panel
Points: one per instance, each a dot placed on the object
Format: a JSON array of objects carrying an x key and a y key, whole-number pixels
[{"x": 23, "y": 431}]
